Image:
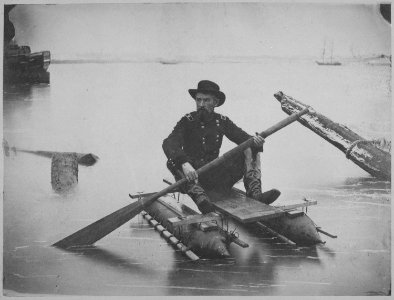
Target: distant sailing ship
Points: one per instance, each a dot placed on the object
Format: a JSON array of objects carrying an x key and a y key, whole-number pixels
[{"x": 329, "y": 62}]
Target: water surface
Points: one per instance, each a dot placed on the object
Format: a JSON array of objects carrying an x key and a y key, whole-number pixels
[{"x": 122, "y": 112}]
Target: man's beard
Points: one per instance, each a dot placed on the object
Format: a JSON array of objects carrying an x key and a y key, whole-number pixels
[{"x": 204, "y": 115}]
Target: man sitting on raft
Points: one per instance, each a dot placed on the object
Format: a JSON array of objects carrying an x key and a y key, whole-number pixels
[{"x": 196, "y": 140}]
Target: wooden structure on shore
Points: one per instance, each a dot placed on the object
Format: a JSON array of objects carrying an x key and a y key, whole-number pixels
[
  {"x": 362, "y": 152},
  {"x": 20, "y": 66}
]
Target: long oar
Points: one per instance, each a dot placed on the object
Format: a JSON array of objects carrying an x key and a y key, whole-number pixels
[{"x": 97, "y": 230}]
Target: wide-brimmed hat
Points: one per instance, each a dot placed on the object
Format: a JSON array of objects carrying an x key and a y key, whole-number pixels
[{"x": 208, "y": 87}]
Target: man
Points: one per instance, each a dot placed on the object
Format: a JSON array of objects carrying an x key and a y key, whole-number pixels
[{"x": 196, "y": 140}]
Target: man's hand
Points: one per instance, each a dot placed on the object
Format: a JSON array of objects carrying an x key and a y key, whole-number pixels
[
  {"x": 259, "y": 141},
  {"x": 190, "y": 172}
]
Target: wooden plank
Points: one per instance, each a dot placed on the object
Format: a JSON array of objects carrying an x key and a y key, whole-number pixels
[
  {"x": 278, "y": 235},
  {"x": 242, "y": 208},
  {"x": 194, "y": 219},
  {"x": 141, "y": 195},
  {"x": 298, "y": 205},
  {"x": 208, "y": 226},
  {"x": 294, "y": 214}
]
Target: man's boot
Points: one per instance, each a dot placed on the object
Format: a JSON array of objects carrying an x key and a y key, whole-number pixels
[
  {"x": 198, "y": 195},
  {"x": 194, "y": 190},
  {"x": 252, "y": 180}
]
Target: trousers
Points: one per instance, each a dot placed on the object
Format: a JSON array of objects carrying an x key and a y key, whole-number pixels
[{"x": 222, "y": 178}]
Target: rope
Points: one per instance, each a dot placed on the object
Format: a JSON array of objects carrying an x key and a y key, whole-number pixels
[
  {"x": 373, "y": 142},
  {"x": 354, "y": 144},
  {"x": 140, "y": 200}
]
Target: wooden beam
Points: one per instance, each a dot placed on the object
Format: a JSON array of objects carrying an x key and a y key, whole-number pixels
[
  {"x": 362, "y": 152},
  {"x": 278, "y": 235},
  {"x": 326, "y": 233},
  {"x": 137, "y": 196},
  {"x": 195, "y": 219},
  {"x": 295, "y": 206}
]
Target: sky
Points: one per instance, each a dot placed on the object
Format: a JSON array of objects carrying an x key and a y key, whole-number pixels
[{"x": 201, "y": 30}]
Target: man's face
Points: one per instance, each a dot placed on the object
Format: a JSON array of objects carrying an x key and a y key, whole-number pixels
[{"x": 205, "y": 101}]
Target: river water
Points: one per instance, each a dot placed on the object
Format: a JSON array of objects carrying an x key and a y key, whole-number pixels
[{"x": 122, "y": 112}]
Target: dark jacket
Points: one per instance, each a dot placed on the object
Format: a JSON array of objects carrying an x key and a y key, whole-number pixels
[{"x": 199, "y": 143}]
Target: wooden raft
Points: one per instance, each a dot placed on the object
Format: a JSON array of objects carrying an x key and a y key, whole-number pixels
[
  {"x": 242, "y": 208},
  {"x": 237, "y": 205}
]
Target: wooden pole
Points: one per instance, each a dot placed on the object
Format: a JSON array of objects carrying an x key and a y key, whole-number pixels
[
  {"x": 170, "y": 237},
  {"x": 64, "y": 171},
  {"x": 326, "y": 233},
  {"x": 97, "y": 230},
  {"x": 278, "y": 235},
  {"x": 84, "y": 159}
]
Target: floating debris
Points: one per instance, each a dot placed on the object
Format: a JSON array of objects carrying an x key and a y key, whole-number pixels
[{"x": 362, "y": 152}]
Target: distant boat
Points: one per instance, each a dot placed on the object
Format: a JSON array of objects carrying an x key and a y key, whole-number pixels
[
  {"x": 168, "y": 61},
  {"x": 332, "y": 63},
  {"x": 329, "y": 62}
]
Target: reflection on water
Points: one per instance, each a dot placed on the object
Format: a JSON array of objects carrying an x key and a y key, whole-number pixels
[
  {"x": 123, "y": 119},
  {"x": 19, "y": 92},
  {"x": 26, "y": 92},
  {"x": 368, "y": 185},
  {"x": 109, "y": 259}
]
